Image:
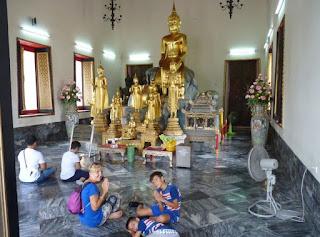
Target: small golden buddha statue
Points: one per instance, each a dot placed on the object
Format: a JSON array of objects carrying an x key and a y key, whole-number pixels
[
  {"x": 146, "y": 120},
  {"x": 129, "y": 131},
  {"x": 113, "y": 110},
  {"x": 151, "y": 108},
  {"x": 173, "y": 52},
  {"x": 173, "y": 98},
  {"x": 136, "y": 91},
  {"x": 118, "y": 105},
  {"x": 100, "y": 93},
  {"x": 153, "y": 89}
]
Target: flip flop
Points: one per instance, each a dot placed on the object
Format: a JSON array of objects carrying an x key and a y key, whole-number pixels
[{"x": 134, "y": 204}]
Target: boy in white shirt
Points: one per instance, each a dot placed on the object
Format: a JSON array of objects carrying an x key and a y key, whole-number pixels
[
  {"x": 70, "y": 165},
  {"x": 33, "y": 168}
]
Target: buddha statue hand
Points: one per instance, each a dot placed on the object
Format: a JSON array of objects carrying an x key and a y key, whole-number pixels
[{"x": 173, "y": 66}]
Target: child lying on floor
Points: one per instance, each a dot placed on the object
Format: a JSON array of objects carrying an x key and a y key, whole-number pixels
[{"x": 148, "y": 227}]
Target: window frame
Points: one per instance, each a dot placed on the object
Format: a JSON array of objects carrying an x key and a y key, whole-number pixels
[{"x": 33, "y": 47}]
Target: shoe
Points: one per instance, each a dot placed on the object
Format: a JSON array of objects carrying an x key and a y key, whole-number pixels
[
  {"x": 79, "y": 182},
  {"x": 135, "y": 204}
]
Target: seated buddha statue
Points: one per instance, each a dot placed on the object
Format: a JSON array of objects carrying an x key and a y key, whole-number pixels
[
  {"x": 173, "y": 52},
  {"x": 129, "y": 131}
]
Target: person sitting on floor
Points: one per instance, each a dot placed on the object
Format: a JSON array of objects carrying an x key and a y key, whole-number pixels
[
  {"x": 169, "y": 201},
  {"x": 33, "y": 168},
  {"x": 98, "y": 207},
  {"x": 148, "y": 227},
  {"x": 70, "y": 165}
]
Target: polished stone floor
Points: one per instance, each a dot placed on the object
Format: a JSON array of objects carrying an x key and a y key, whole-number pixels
[{"x": 216, "y": 193}]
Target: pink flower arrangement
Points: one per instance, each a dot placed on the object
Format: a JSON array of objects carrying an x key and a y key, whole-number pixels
[
  {"x": 69, "y": 93},
  {"x": 259, "y": 92}
]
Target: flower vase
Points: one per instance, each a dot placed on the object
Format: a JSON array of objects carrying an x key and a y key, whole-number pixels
[
  {"x": 259, "y": 124},
  {"x": 72, "y": 116}
]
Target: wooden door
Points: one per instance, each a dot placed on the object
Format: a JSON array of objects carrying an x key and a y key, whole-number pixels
[{"x": 241, "y": 73}]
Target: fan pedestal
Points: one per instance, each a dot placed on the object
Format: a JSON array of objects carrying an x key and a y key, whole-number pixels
[{"x": 269, "y": 205}]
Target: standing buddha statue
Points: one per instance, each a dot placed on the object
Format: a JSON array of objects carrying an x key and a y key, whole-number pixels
[
  {"x": 100, "y": 90},
  {"x": 118, "y": 105},
  {"x": 136, "y": 90},
  {"x": 100, "y": 101}
]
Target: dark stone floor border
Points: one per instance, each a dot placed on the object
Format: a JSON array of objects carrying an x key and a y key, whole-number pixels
[
  {"x": 48, "y": 132},
  {"x": 295, "y": 169}
]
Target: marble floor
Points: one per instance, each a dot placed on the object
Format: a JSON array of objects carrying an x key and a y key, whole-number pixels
[{"x": 216, "y": 193}]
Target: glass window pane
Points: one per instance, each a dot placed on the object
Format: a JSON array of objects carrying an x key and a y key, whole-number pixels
[
  {"x": 30, "y": 88},
  {"x": 79, "y": 79}
]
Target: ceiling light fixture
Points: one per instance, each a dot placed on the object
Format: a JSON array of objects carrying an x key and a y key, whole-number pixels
[
  {"x": 112, "y": 7},
  {"x": 83, "y": 46},
  {"x": 109, "y": 54},
  {"x": 280, "y": 3},
  {"x": 230, "y": 4},
  {"x": 35, "y": 31}
]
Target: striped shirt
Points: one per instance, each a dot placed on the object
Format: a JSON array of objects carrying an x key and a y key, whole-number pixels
[
  {"x": 170, "y": 194},
  {"x": 148, "y": 226}
]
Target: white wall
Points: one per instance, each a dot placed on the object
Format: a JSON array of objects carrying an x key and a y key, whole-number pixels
[
  {"x": 301, "y": 110},
  {"x": 210, "y": 32},
  {"x": 66, "y": 22}
]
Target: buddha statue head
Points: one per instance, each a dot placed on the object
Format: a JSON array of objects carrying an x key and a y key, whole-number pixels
[
  {"x": 174, "y": 21},
  {"x": 135, "y": 79},
  {"x": 100, "y": 69},
  {"x": 118, "y": 93}
]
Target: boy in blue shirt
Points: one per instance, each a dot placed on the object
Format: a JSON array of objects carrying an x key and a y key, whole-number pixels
[
  {"x": 148, "y": 227},
  {"x": 169, "y": 201}
]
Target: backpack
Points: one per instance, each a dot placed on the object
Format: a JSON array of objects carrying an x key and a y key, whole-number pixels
[{"x": 75, "y": 205}]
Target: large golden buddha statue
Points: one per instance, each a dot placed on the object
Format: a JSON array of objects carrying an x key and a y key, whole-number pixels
[
  {"x": 173, "y": 52},
  {"x": 100, "y": 90},
  {"x": 100, "y": 101}
]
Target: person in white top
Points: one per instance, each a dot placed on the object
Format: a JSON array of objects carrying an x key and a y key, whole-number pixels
[
  {"x": 70, "y": 165},
  {"x": 33, "y": 168}
]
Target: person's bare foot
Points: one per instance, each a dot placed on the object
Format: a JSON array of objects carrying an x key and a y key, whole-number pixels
[{"x": 116, "y": 215}]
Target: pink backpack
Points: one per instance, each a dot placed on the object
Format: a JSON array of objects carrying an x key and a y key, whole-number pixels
[{"x": 75, "y": 205}]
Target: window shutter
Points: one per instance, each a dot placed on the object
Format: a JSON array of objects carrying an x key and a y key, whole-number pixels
[
  {"x": 87, "y": 72},
  {"x": 44, "y": 82}
]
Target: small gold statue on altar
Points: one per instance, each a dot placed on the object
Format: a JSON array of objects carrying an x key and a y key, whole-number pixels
[
  {"x": 114, "y": 130},
  {"x": 153, "y": 89},
  {"x": 136, "y": 93},
  {"x": 136, "y": 90},
  {"x": 129, "y": 131},
  {"x": 118, "y": 106},
  {"x": 173, "y": 52},
  {"x": 99, "y": 101}
]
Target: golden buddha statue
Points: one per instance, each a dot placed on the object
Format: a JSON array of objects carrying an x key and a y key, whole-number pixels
[
  {"x": 173, "y": 98},
  {"x": 118, "y": 106},
  {"x": 173, "y": 52},
  {"x": 100, "y": 90},
  {"x": 153, "y": 89},
  {"x": 112, "y": 110},
  {"x": 100, "y": 101},
  {"x": 136, "y": 91},
  {"x": 129, "y": 131},
  {"x": 152, "y": 108}
]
